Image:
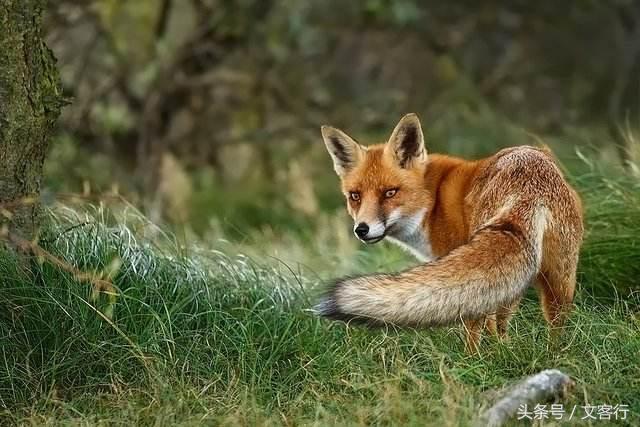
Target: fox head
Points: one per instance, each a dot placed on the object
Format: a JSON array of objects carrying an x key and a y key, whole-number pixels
[{"x": 383, "y": 184}]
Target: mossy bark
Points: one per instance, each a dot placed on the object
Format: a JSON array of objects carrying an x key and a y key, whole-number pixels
[{"x": 30, "y": 102}]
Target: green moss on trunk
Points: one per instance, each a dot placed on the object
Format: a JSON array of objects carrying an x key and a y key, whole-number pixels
[{"x": 30, "y": 102}]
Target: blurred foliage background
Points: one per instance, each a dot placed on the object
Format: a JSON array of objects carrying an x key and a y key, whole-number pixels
[{"x": 206, "y": 113}]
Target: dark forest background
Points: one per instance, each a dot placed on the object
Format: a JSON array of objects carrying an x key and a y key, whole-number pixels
[{"x": 201, "y": 109}]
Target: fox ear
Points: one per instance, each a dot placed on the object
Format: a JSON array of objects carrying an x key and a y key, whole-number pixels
[
  {"x": 406, "y": 144},
  {"x": 345, "y": 152}
]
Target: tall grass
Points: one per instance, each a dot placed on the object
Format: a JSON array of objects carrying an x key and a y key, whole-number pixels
[
  {"x": 196, "y": 336},
  {"x": 610, "y": 256}
]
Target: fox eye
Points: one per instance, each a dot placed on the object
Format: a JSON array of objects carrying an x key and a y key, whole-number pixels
[
  {"x": 354, "y": 195},
  {"x": 390, "y": 193}
]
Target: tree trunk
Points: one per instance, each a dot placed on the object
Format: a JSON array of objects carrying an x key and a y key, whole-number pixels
[{"x": 30, "y": 102}]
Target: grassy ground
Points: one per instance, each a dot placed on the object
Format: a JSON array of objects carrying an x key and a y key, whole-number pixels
[{"x": 196, "y": 336}]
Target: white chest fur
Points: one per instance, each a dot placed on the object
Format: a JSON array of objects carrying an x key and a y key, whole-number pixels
[{"x": 411, "y": 236}]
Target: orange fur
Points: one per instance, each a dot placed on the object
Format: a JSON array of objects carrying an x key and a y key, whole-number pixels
[{"x": 485, "y": 229}]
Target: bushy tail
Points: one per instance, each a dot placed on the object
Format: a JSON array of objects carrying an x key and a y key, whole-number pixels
[{"x": 475, "y": 279}]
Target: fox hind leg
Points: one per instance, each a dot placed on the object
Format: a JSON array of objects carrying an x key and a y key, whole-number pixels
[
  {"x": 491, "y": 324},
  {"x": 556, "y": 289},
  {"x": 473, "y": 331},
  {"x": 503, "y": 315}
]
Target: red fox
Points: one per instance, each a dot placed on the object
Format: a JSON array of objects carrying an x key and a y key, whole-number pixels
[{"x": 484, "y": 230}]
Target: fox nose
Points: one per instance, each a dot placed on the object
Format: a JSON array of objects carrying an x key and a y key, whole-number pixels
[{"x": 361, "y": 230}]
